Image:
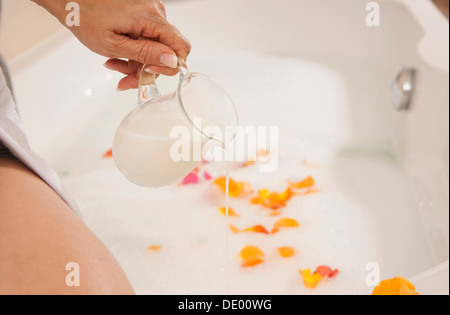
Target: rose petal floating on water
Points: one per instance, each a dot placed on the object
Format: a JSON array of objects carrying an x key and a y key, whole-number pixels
[
  {"x": 190, "y": 179},
  {"x": 396, "y": 286},
  {"x": 285, "y": 196},
  {"x": 236, "y": 189},
  {"x": 247, "y": 164},
  {"x": 252, "y": 262},
  {"x": 263, "y": 194},
  {"x": 310, "y": 280},
  {"x": 286, "y": 251},
  {"x": 234, "y": 229},
  {"x": 231, "y": 212},
  {"x": 322, "y": 272},
  {"x": 284, "y": 223},
  {"x": 272, "y": 200},
  {"x": 108, "y": 154},
  {"x": 326, "y": 272},
  {"x": 154, "y": 247},
  {"x": 251, "y": 256},
  {"x": 311, "y": 191},
  {"x": 263, "y": 153},
  {"x": 252, "y": 160},
  {"x": 257, "y": 229},
  {"x": 306, "y": 183},
  {"x": 232, "y": 186},
  {"x": 246, "y": 188}
]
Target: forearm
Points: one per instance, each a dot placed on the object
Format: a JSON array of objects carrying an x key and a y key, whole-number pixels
[
  {"x": 136, "y": 30},
  {"x": 56, "y": 7}
]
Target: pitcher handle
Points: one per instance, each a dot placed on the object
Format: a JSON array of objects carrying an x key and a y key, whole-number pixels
[{"x": 147, "y": 82}]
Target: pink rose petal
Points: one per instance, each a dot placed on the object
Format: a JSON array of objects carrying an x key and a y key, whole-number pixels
[{"x": 192, "y": 178}]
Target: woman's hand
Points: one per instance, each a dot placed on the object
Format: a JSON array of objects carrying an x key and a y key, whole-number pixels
[{"x": 136, "y": 30}]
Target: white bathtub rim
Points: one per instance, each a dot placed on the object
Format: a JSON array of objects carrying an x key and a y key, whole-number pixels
[
  {"x": 434, "y": 281},
  {"x": 23, "y": 60},
  {"x": 433, "y": 48}
]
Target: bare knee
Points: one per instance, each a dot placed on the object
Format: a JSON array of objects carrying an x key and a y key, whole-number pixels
[{"x": 45, "y": 248}]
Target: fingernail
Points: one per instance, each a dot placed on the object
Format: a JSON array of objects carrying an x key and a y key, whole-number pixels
[
  {"x": 168, "y": 60},
  {"x": 148, "y": 70},
  {"x": 106, "y": 66}
]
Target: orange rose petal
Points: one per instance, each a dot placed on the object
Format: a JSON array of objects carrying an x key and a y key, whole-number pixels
[
  {"x": 311, "y": 191},
  {"x": 396, "y": 286},
  {"x": 310, "y": 280},
  {"x": 222, "y": 184},
  {"x": 256, "y": 201},
  {"x": 334, "y": 273},
  {"x": 286, "y": 251},
  {"x": 286, "y": 223},
  {"x": 252, "y": 262},
  {"x": 306, "y": 183},
  {"x": 234, "y": 229},
  {"x": 270, "y": 200},
  {"x": 244, "y": 188},
  {"x": 257, "y": 229},
  {"x": 326, "y": 271},
  {"x": 249, "y": 163},
  {"x": 231, "y": 212},
  {"x": 263, "y": 194},
  {"x": 263, "y": 153},
  {"x": 276, "y": 201},
  {"x": 273, "y": 200},
  {"x": 286, "y": 195},
  {"x": 236, "y": 189},
  {"x": 250, "y": 252},
  {"x": 154, "y": 247},
  {"x": 108, "y": 154}
]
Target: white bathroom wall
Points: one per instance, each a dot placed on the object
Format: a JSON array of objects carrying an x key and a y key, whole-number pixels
[{"x": 24, "y": 24}]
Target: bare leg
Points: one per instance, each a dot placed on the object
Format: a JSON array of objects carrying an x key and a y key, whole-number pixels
[
  {"x": 40, "y": 235},
  {"x": 442, "y": 5}
]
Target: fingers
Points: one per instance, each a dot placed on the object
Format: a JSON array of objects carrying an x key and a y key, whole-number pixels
[
  {"x": 148, "y": 52},
  {"x": 170, "y": 36},
  {"x": 123, "y": 66},
  {"x": 162, "y": 70},
  {"x": 158, "y": 46},
  {"x": 132, "y": 70},
  {"x": 129, "y": 82}
]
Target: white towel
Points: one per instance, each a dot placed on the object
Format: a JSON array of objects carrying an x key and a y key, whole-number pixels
[{"x": 13, "y": 137}]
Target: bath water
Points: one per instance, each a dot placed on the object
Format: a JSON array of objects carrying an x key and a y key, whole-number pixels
[{"x": 363, "y": 213}]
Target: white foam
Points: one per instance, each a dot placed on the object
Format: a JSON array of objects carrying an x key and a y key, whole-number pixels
[{"x": 363, "y": 213}]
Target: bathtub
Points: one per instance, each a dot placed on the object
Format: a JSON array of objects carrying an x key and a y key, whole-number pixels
[{"x": 320, "y": 73}]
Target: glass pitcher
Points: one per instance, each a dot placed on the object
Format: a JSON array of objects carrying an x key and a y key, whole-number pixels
[{"x": 158, "y": 143}]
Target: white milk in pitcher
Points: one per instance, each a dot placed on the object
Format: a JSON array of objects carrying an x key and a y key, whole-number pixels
[{"x": 142, "y": 151}]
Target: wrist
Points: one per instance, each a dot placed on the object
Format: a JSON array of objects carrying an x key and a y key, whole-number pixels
[{"x": 56, "y": 7}]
